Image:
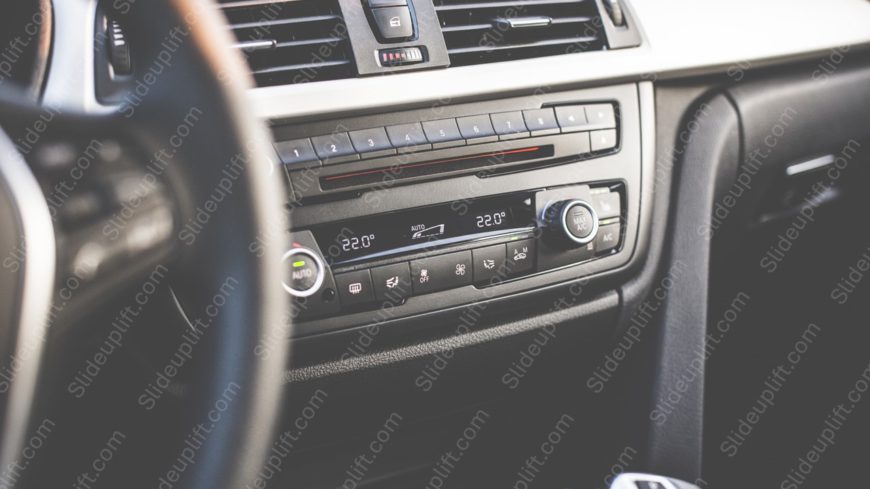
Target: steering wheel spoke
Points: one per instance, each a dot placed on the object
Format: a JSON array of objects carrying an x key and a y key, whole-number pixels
[{"x": 111, "y": 204}]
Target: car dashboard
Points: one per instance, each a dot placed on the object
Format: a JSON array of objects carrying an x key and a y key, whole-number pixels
[{"x": 492, "y": 203}]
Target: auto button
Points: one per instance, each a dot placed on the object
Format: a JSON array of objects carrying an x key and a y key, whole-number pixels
[{"x": 306, "y": 272}]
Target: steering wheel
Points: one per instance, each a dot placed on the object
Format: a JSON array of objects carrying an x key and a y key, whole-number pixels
[{"x": 92, "y": 203}]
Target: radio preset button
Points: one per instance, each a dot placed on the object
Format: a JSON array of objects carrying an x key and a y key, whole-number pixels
[
  {"x": 489, "y": 264},
  {"x": 354, "y": 287},
  {"x": 392, "y": 283},
  {"x": 297, "y": 153},
  {"x": 306, "y": 272},
  {"x": 334, "y": 148},
  {"x": 442, "y": 131},
  {"x": 476, "y": 126},
  {"x": 369, "y": 140},
  {"x": 521, "y": 256},
  {"x": 441, "y": 272},
  {"x": 406, "y": 135},
  {"x": 541, "y": 121},
  {"x": 508, "y": 123}
]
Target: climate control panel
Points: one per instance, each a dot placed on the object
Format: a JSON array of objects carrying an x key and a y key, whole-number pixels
[{"x": 383, "y": 261}]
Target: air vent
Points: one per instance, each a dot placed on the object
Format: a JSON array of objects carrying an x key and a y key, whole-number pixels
[
  {"x": 291, "y": 41},
  {"x": 485, "y": 31}
]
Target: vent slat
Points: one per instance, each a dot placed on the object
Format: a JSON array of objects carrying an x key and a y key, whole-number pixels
[
  {"x": 551, "y": 42},
  {"x": 272, "y": 23},
  {"x": 480, "y": 31},
  {"x": 291, "y": 41},
  {"x": 301, "y": 67},
  {"x": 229, "y": 4},
  {"x": 309, "y": 42},
  {"x": 478, "y": 27},
  {"x": 501, "y": 4}
]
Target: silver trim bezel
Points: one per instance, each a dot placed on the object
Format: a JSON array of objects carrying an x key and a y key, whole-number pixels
[
  {"x": 563, "y": 216},
  {"x": 321, "y": 273},
  {"x": 36, "y": 296}
]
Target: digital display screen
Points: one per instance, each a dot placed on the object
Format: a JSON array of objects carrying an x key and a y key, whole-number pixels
[{"x": 420, "y": 229}]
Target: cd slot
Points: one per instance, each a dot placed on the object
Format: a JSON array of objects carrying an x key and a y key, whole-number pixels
[
  {"x": 483, "y": 160},
  {"x": 431, "y": 167}
]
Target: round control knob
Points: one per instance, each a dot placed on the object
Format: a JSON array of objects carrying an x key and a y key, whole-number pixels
[
  {"x": 306, "y": 272},
  {"x": 573, "y": 220}
]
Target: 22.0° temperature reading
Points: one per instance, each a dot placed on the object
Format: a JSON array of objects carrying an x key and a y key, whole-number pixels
[
  {"x": 357, "y": 242},
  {"x": 490, "y": 219}
]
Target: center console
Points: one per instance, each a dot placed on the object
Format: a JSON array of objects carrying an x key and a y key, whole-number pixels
[{"x": 458, "y": 203}]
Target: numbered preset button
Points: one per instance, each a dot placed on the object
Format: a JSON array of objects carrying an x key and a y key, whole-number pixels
[
  {"x": 370, "y": 140},
  {"x": 298, "y": 153},
  {"x": 475, "y": 127},
  {"x": 334, "y": 148},
  {"x": 443, "y": 133},
  {"x": 509, "y": 123}
]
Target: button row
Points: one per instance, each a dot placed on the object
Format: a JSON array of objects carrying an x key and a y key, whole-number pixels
[
  {"x": 607, "y": 206},
  {"x": 394, "y": 283},
  {"x": 341, "y": 147}
]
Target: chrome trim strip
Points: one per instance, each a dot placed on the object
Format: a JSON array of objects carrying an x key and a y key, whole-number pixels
[
  {"x": 526, "y": 22},
  {"x": 681, "y": 37},
  {"x": 37, "y": 288},
  {"x": 809, "y": 165},
  {"x": 256, "y": 45}
]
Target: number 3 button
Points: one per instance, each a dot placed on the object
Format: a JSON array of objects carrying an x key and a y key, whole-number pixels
[{"x": 370, "y": 140}]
